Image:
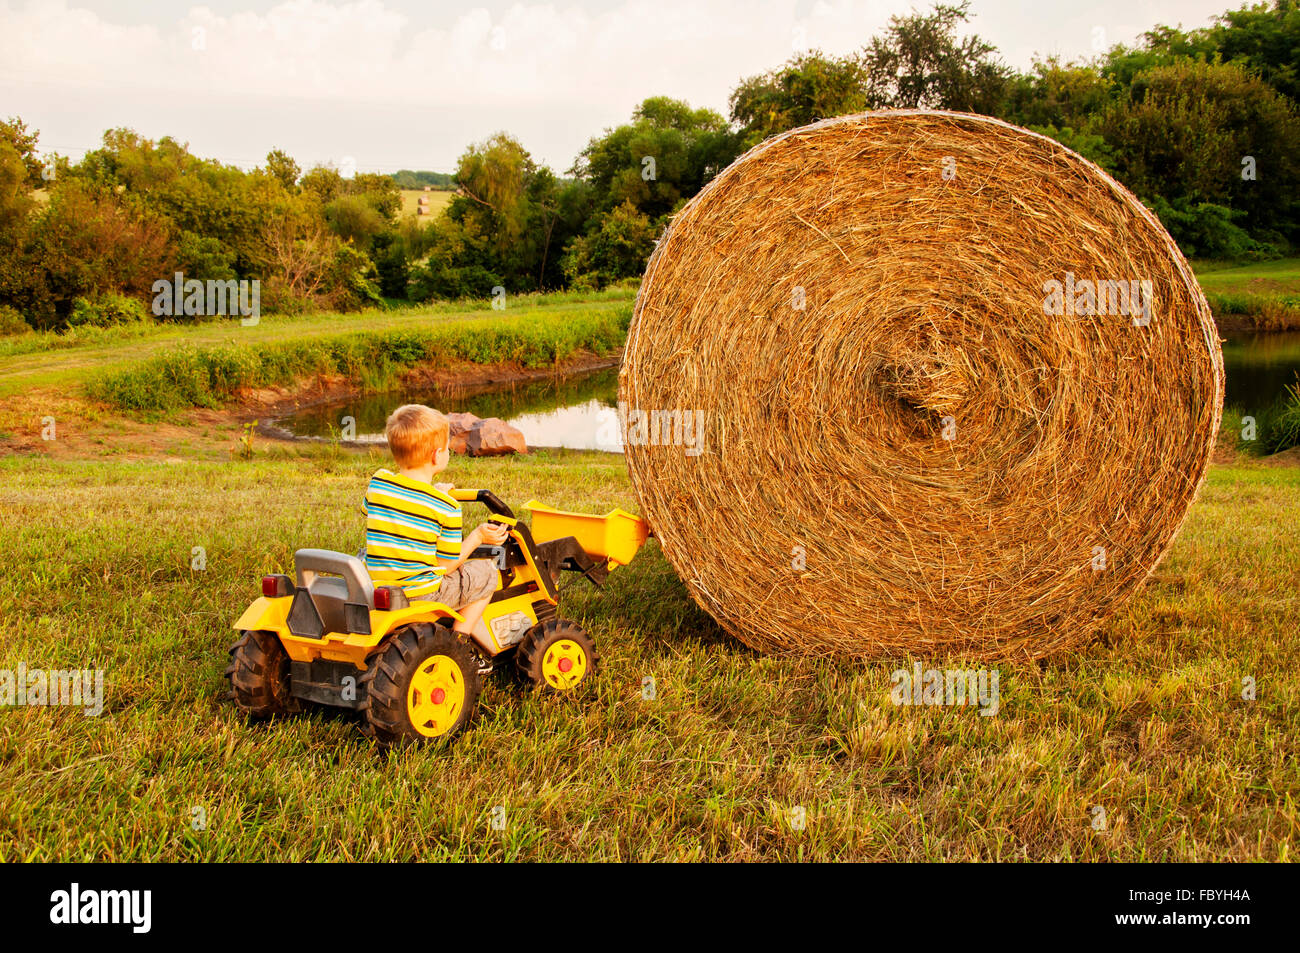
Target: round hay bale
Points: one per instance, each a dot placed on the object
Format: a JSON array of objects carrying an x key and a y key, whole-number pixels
[{"x": 913, "y": 438}]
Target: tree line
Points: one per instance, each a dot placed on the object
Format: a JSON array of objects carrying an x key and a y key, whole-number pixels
[{"x": 1200, "y": 124}]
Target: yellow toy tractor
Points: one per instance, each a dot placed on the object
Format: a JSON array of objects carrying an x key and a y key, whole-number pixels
[{"x": 331, "y": 637}]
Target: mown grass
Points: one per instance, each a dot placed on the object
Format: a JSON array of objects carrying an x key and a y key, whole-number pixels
[
  {"x": 208, "y": 376},
  {"x": 1151, "y": 725}
]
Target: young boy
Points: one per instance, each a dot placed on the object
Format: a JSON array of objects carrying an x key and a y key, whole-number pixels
[{"x": 413, "y": 526}]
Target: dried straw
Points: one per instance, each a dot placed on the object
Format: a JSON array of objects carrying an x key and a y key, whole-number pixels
[{"x": 827, "y": 512}]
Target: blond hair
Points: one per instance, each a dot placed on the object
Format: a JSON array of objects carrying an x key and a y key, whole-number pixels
[{"x": 415, "y": 432}]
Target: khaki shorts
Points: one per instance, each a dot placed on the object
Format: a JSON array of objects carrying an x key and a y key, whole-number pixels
[{"x": 474, "y": 579}]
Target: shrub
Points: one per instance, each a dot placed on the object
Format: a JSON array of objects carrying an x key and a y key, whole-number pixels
[
  {"x": 106, "y": 311},
  {"x": 11, "y": 322},
  {"x": 436, "y": 280},
  {"x": 350, "y": 282}
]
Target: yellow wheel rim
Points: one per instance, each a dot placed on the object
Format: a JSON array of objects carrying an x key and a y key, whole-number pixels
[
  {"x": 564, "y": 664},
  {"x": 436, "y": 696}
]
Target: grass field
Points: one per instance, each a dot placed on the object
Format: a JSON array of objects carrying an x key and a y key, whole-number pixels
[
  {"x": 1281, "y": 276},
  {"x": 105, "y": 523},
  {"x": 438, "y": 200},
  {"x": 62, "y": 360},
  {"x": 1151, "y": 727}
]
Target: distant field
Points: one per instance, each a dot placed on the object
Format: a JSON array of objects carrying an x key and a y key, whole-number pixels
[
  {"x": 437, "y": 202},
  {"x": 1266, "y": 277}
]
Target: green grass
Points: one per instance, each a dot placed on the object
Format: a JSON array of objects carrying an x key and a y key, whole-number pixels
[
  {"x": 206, "y": 377},
  {"x": 1151, "y": 726},
  {"x": 1283, "y": 274},
  {"x": 1264, "y": 294},
  {"x": 64, "y": 361}
]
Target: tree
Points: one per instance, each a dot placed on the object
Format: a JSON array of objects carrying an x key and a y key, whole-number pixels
[
  {"x": 1262, "y": 38},
  {"x": 16, "y": 206},
  {"x": 492, "y": 177},
  {"x": 88, "y": 241},
  {"x": 15, "y": 135},
  {"x": 807, "y": 88},
  {"x": 199, "y": 196},
  {"x": 665, "y": 155},
  {"x": 921, "y": 63},
  {"x": 1197, "y": 134},
  {"x": 280, "y": 166},
  {"x": 1058, "y": 94},
  {"x": 617, "y": 249}
]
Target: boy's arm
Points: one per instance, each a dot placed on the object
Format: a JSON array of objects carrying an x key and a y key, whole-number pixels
[{"x": 491, "y": 534}]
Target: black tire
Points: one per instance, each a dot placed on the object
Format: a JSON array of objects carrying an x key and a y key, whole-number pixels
[
  {"x": 259, "y": 676},
  {"x": 387, "y": 681},
  {"x": 530, "y": 656}
]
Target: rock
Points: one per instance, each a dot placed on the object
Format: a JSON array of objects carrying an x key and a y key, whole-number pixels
[
  {"x": 460, "y": 426},
  {"x": 493, "y": 437}
]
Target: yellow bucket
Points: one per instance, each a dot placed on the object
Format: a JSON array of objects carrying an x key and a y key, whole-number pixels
[{"x": 616, "y": 536}]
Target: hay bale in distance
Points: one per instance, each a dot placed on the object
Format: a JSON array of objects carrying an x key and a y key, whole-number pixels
[{"x": 911, "y": 444}]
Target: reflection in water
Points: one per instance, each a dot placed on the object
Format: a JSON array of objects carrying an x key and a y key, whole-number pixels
[
  {"x": 1259, "y": 368},
  {"x": 577, "y": 412}
]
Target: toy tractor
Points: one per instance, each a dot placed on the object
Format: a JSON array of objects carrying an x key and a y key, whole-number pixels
[{"x": 331, "y": 637}]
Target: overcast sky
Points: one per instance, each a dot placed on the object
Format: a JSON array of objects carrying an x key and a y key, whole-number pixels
[{"x": 390, "y": 84}]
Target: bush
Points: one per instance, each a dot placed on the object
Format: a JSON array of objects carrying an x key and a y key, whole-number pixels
[
  {"x": 1206, "y": 230},
  {"x": 351, "y": 281},
  {"x": 11, "y": 322},
  {"x": 394, "y": 271},
  {"x": 106, "y": 311},
  {"x": 435, "y": 280}
]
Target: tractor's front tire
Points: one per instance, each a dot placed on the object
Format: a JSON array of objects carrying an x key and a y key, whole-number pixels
[
  {"x": 421, "y": 686},
  {"x": 259, "y": 676},
  {"x": 557, "y": 655}
]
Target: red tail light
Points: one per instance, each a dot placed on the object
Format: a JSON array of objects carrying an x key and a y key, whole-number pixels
[
  {"x": 389, "y": 598},
  {"x": 277, "y": 587}
]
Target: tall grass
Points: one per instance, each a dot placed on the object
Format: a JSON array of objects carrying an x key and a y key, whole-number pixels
[
  {"x": 207, "y": 376},
  {"x": 1263, "y": 312}
]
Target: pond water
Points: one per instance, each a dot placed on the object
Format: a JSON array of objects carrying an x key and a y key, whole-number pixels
[
  {"x": 1259, "y": 368},
  {"x": 578, "y": 412}
]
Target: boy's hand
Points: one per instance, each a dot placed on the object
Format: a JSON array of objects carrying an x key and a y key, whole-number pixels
[
  {"x": 494, "y": 533},
  {"x": 444, "y": 487}
]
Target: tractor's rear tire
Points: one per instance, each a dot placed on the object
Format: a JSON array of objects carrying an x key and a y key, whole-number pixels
[
  {"x": 259, "y": 676},
  {"x": 557, "y": 656},
  {"x": 421, "y": 686}
]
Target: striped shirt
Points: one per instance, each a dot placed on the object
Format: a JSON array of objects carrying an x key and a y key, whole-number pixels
[{"x": 410, "y": 525}]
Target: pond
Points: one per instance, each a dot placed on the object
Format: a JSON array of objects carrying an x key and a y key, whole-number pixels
[
  {"x": 1259, "y": 368},
  {"x": 578, "y": 412}
]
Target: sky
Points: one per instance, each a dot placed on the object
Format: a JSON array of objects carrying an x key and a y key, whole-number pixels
[{"x": 381, "y": 85}]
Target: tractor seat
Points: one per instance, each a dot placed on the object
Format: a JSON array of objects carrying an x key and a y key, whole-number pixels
[{"x": 334, "y": 594}]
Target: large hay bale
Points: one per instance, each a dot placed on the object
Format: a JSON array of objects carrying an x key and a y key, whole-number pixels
[{"x": 904, "y": 451}]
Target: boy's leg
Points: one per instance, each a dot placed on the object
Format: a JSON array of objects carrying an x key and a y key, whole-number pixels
[
  {"x": 469, "y": 590},
  {"x": 473, "y": 623}
]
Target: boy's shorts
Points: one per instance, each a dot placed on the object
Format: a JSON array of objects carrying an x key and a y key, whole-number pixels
[{"x": 474, "y": 579}]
